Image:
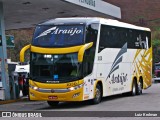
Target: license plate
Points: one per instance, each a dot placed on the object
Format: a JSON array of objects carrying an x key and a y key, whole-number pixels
[{"x": 52, "y": 97}]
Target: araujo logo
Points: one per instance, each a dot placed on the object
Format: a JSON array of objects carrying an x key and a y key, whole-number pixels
[
  {"x": 56, "y": 30},
  {"x": 119, "y": 79},
  {"x": 141, "y": 43},
  {"x": 118, "y": 60}
]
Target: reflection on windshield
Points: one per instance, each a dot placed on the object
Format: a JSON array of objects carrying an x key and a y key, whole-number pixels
[{"x": 55, "y": 67}]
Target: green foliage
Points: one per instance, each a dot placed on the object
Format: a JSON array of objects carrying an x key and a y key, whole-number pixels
[
  {"x": 156, "y": 51},
  {"x": 157, "y": 28},
  {"x": 14, "y": 53},
  {"x": 22, "y": 37},
  {"x": 156, "y": 43}
]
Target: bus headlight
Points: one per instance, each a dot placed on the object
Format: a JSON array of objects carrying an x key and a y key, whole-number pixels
[
  {"x": 76, "y": 87},
  {"x": 34, "y": 87}
]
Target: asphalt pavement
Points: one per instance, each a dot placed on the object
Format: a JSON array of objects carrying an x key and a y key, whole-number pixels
[{"x": 149, "y": 101}]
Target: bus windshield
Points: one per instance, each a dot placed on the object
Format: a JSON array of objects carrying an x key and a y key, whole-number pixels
[
  {"x": 55, "y": 68},
  {"x": 59, "y": 36}
]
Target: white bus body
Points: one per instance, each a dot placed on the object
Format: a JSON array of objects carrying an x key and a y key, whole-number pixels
[{"x": 117, "y": 59}]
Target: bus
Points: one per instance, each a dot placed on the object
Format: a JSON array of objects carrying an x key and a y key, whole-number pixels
[{"x": 78, "y": 59}]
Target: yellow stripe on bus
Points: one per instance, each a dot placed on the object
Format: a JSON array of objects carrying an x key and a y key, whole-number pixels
[{"x": 55, "y": 50}]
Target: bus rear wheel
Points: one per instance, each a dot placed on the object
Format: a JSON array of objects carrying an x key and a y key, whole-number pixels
[
  {"x": 139, "y": 88},
  {"x": 52, "y": 103},
  {"x": 98, "y": 95}
]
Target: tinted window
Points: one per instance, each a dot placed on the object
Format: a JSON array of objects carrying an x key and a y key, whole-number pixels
[
  {"x": 137, "y": 39},
  {"x": 116, "y": 37},
  {"x": 112, "y": 37},
  {"x": 91, "y": 36},
  {"x": 55, "y": 68}
]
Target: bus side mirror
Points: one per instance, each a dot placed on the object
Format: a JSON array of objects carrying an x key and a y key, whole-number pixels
[
  {"x": 22, "y": 52},
  {"x": 82, "y": 50}
]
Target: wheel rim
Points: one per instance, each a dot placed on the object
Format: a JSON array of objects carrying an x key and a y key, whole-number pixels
[
  {"x": 98, "y": 94},
  {"x": 140, "y": 87}
]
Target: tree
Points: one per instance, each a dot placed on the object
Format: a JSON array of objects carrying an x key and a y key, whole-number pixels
[
  {"x": 22, "y": 38},
  {"x": 156, "y": 50}
]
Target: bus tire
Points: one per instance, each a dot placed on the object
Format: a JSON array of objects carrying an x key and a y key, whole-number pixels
[
  {"x": 29, "y": 98},
  {"x": 24, "y": 92},
  {"x": 52, "y": 103},
  {"x": 29, "y": 95},
  {"x": 134, "y": 88},
  {"x": 98, "y": 95},
  {"x": 139, "y": 88}
]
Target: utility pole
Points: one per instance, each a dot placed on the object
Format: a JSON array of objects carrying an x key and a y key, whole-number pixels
[{"x": 3, "y": 56}]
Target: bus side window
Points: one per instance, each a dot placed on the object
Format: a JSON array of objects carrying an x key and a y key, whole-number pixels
[
  {"x": 88, "y": 62},
  {"x": 130, "y": 42},
  {"x": 147, "y": 46},
  {"x": 112, "y": 37},
  {"x": 148, "y": 35},
  {"x": 145, "y": 41},
  {"x": 89, "y": 55},
  {"x": 104, "y": 37},
  {"x": 123, "y": 36}
]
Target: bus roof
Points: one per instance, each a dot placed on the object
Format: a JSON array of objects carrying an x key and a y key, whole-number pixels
[
  {"x": 88, "y": 20},
  {"x": 74, "y": 20}
]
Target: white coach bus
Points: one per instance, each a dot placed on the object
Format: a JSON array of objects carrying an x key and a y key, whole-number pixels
[{"x": 87, "y": 59}]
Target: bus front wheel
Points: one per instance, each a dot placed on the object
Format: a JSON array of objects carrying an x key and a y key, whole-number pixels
[
  {"x": 98, "y": 95},
  {"x": 52, "y": 103}
]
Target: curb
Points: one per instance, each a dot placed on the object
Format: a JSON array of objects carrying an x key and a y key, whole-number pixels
[{"x": 12, "y": 101}]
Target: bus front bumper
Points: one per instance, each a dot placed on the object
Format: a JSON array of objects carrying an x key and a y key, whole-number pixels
[{"x": 73, "y": 95}]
